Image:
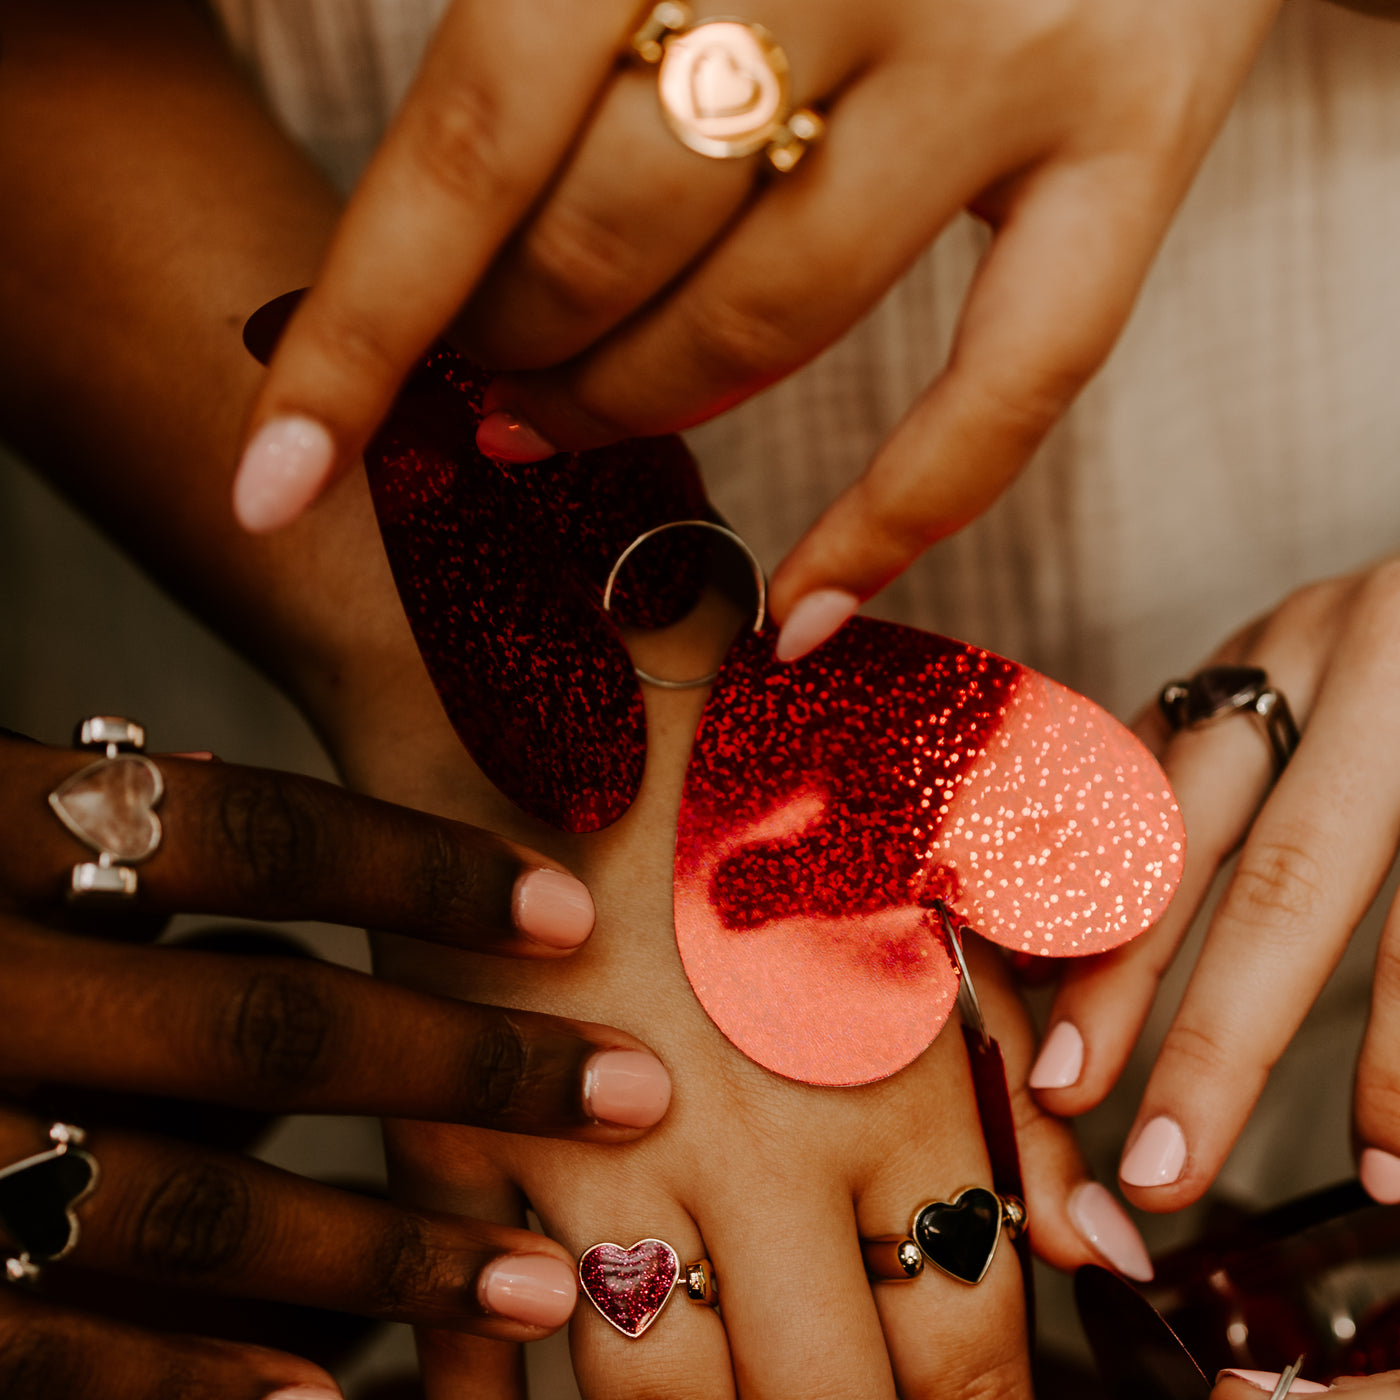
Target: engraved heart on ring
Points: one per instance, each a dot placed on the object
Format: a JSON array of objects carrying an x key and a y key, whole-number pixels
[
  {"x": 960, "y": 1236},
  {"x": 720, "y": 86},
  {"x": 630, "y": 1286},
  {"x": 110, "y": 804}
]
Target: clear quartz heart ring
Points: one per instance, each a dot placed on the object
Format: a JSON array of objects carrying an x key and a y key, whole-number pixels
[{"x": 110, "y": 807}]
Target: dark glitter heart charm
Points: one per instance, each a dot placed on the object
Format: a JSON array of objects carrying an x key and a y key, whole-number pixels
[
  {"x": 630, "y": 1286},
  {"x": 38, "y": 1197},
  {"x": 500, "y": 569},
  {"x": 960, "y": 1235}
]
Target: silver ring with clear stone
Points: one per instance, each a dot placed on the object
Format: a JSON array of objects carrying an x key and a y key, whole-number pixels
[{"x": 1221, "y": 691}]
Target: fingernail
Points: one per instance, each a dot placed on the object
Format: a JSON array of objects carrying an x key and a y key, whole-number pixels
[
  {"x": 553, "y": 908},
  {"x": 509, "y": 439},
  {"x": 283, "y": 468},
  {"x": 1106, "y": 1225},
  {"x": 1157, "y": 1157},
  {"x": 1268, "y": 1381},
  {"x": 627, "y": 1087},
  {"x": 813, "y": 621},
  {"x": 531, "y": 1288},
  {"x": 1060, "y": 1059},
  {"x": 306, "y": 1392},
  {"x": 1380, "y": 1175}
]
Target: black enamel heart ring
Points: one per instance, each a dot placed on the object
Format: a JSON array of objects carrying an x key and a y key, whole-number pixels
[
  {"x": 959, "y": 1237},
  {"x": 39, "y": 1197},
  {"x": 110, "y": 807}
]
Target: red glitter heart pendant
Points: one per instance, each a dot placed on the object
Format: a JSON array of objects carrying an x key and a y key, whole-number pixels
[
  {"x": 830, "y": 802},
  {"x": 629, "y": 1286},
  {"x": 500, "y": 569}
]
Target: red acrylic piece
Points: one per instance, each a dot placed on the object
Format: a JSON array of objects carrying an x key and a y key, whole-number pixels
[
  {"x": 829, "y": 802},
  {"x": 500, "y": 569}
]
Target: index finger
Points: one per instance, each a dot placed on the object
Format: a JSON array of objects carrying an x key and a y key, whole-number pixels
[
  {"x": 1045, "y": 308},
  {"x": 254, "y": 843},
  {"x": 501, "y": 95}
]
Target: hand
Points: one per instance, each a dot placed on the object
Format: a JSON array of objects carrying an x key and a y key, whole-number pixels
[
  {"x": 1316, "y": 847},
  {"x": 752, "y": 1169},
  {"x": 82, "y": 1013},
  {"x": 529, "y": 179}
]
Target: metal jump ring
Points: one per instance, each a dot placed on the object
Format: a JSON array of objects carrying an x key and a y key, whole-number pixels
[{"x": 760, "y": 582}]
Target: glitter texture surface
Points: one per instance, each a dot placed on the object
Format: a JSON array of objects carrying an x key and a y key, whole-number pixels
[
  {"x": 830, "y": 801},
  {"x": 500, "y": 569},
  {"x": 629, "y": 1286}
]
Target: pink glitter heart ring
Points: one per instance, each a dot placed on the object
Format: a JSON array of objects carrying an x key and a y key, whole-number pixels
[
  {"x": 110, "y": 807},
  {"x": 723, "y": 86},
  {"x": 631, "y": 1286}
]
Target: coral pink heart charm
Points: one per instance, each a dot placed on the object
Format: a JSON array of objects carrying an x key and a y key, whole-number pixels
[
  {"x": 630, "y": 1286},
  {"x": 833, "y": 804}
]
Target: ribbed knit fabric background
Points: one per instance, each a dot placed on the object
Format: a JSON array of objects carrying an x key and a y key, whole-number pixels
[{"x": 1243, "y": 439}]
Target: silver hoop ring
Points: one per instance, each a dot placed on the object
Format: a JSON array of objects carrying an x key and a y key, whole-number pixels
[{"x": 760, "y": 582}]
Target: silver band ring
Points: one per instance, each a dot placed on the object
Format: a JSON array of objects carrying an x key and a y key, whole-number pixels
[
  {"x": 1221, "y": 691},
  {"x": 760, "y": 585}
]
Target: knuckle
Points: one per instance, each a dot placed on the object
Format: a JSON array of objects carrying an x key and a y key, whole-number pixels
[
  {"x": 278, "y": 1030},
  {"x": 501, "y": 1074},
  {"x": 410, "y": 1278},
  {"x": 1000, "y": 1380},
  {"x": 274, "y": 829},
  {"x": 1199, "y": 1051},
  {"x": 456, "y": 140},
  {"x": 196, "y": 1221},
  {"x": 744, "y": 339},
  {"x": 38, "y": 1362},
  {"x": 1028, "y": 401},
  {"x": 1278, "y": 885},
  {"x": 583, "y": 263},
  {"x": 1378, "y": 1103},
  {"x": 448, "y": 887}
]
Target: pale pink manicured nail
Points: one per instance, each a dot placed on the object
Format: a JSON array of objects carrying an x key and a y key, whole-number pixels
[
  {"x": 813, "y": 621},
  {"x": 509, "y": 439},
  {"x": 306, "y": 1392},
  {"x": 531, "y": 1288},
  {"x": 1105, "y": 1224},
  {"x": 627, "y": 1087},
  {"x": 1157, "y": 1157},
  {"x": 1380, "y": 1175},
  {"x": 1060, "y": 1059},
  {"x": 553, "y": 908},
  {"x": 283, "y": 469},
  {"x": 1268, "y": 1381}
]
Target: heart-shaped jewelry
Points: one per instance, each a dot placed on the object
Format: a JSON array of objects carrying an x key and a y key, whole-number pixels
[
  {"x": 629, "y": 1286},
  {"x": 720, "y": 86},
  {"x": 39, "y": 1197},
  {"x": 110, "y": 807},
  {"x": 834, "y": 804},
  {"x": 960, "y": 1236}
]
